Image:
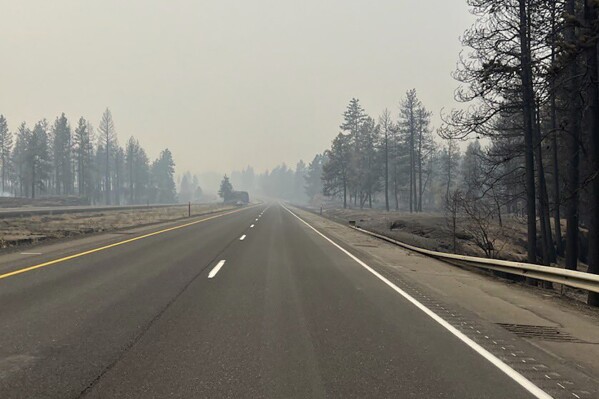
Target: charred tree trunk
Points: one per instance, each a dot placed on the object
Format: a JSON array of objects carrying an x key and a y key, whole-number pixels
[
  {"x": 386, "y": 170},
  {"x": 591, "y": 16},
  {"x": 573, "y": 140},
  {"x": 344, "y": 193},
  {"x": 420, "y": 190},
  {"x": 395, "y": 188},
  {"x": 548, "y": 249},
  {"x": 419, "y": 160},
  {"x": 553, "y": 109},
  {"x": 528, "y": 119},
  {"x": 411, "y": 183}
]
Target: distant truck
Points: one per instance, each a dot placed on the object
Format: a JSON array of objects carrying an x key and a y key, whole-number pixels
[{"x": 238, "y": 198}]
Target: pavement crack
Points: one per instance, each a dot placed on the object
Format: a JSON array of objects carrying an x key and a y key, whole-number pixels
[{"x": 156, "y": 317}]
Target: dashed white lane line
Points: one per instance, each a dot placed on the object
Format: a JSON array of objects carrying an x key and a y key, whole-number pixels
[
  {"x": 256, "y": 219},
  {"x": 216, "y": 269},
  {"x": 510, "y": 372},
  {"x": 30, "y": 253},
  {"x": 242, "y": 238},
  {"x": 251, "y": 226}
]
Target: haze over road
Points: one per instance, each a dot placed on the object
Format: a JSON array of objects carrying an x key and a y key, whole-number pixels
[{"x": 253, "y": 303}]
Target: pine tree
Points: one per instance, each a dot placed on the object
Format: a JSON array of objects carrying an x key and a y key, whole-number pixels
[
  {"x": 386, "y": 124},
  {"x": 298, "y": 181},
  {"x": 353, "y": 118},
  {"x": 198, "y": 193},
  {"x": 20, "y": 160},
  {"x": 591, "y": 16},
  {"x": 61, "y": 134},
  {"x": 83, "y": 149},
  {"x": 119, "y": 172},
  {"x": 38, "y": 158},
  {"x": 313, "y": 177},
  {"x": 163, "y": 171},
  {"x": 335, "y": 172},
  {"x": 226, "y": 189},
  {"x": 6, "y": 143},
  {"x": 186, "y": 189},
  {"x": 107, "y": 139},
  {"x": 409, "y": 126}
]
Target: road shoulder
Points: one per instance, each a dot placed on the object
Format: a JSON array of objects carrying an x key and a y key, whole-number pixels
[{"x": 491, "y": 306}]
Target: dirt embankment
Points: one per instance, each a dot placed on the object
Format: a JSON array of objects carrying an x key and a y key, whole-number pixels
[
  {"x": 433, "y": 231},
  {"x": 27, "y": 230}
]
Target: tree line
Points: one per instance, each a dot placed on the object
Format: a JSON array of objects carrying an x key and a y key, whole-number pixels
[
  {"x": 394, "y": 156},
  {"x": 529, "y": 83},
  {"x": 59, "y": 160},
  {"x": 300, "y": 184}
]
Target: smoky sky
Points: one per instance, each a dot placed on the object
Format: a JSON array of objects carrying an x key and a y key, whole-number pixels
[{"x": 225, "y": 84}]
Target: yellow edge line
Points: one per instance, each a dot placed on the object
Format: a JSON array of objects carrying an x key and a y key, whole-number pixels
[{"x": 116, "y": 244}]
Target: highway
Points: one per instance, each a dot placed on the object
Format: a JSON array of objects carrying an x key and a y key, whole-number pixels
[{"x": 253, "y": 303}]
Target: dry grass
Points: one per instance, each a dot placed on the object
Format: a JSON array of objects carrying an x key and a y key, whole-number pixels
[
  {"x": 25, "y": 230},
  {"x": 431, "y": 231}
]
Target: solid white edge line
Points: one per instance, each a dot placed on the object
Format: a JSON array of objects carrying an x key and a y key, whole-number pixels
[
  {"x": 216, "y": 269},
  {"x": 242, "y": 238},
  {"x": 510, "y": 372}
]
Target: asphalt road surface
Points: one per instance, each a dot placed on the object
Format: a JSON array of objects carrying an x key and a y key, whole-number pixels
[{"x": 250, "y": 304}]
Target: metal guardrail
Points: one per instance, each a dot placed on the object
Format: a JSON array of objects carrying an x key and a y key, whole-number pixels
[{"x": 585, "y": 281}]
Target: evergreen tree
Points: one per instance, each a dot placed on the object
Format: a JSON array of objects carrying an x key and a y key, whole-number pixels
[
  {"x": 409, "y": 127},
  {"x": 226, "y": 189},
  {"x": 38, "y": 158},
  {"x": 186, "y": 189},
  {"x": 313, "y": 178},
  {"x": 353, "y": 117},
  {"x": 162, "y": 176},
  {"x": 119, "y": 173},
  {"x": 198, "y": 193},
  {"x": 107, "y": 139},
  {"x": 335, "y": 173},
  {"x": 83, "y": 150},
  {"x": 386, "y": 125},
  {"x": 298, "y": 182},
  {"x": 61, "y": 134},
  {"x": 6, "y": 143},
  {"x": 20, "y": 160}
]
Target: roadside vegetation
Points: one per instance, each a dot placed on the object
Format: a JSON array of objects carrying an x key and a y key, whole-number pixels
[
  {"x": 62, "y": 160},
  {"x": 16, "y": 231},
  {"x": 523, "y": 148}
]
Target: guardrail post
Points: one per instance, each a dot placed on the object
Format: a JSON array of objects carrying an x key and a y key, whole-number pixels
[{"x": 189, "y": 209}]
